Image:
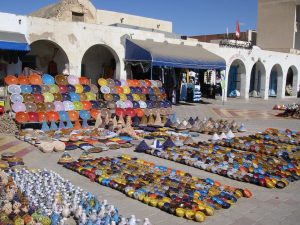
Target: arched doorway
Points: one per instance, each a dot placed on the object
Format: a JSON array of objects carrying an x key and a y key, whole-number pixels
[
  {"x": 291, "y": 82},
  {"x": 275, "y": 85},
  {"x": 99, "y": 61},
  {"x": 46, "y": 56},
  {"x": 236, "y": 79},
  {"x": 257, "y": 80}
]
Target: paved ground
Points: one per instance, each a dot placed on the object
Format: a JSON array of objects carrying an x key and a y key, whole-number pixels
[{"x": 267, "y": 206}]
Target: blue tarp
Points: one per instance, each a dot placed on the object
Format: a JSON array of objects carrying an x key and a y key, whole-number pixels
[
  {"x": 4, "y": 45},
  {"x": 172, "y": 55},
  {"x": 13, "y": 42}
]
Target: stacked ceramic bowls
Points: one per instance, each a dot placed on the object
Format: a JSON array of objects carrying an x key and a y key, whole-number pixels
[
  {"x": 43, "y": 98},
  {"x": 135, "y": 97}
]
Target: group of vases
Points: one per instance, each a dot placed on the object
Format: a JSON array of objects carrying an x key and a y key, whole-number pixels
[{"x": 41, "y": 197}]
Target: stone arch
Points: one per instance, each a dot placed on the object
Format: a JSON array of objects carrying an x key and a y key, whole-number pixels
[
  {"x": 292, "y": 80},
  {"x": 236, "y": 79},
  {"x": 276, "y": 79},
  {"x": 46, "y": 56},
  {"x": 100, "y": 60},
  {"x": 257, "y": 80}
]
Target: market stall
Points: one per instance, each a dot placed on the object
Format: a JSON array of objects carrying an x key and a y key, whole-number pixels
[
  {"x": 13, "y": 46},
  {"x": 172, "y": 65}
]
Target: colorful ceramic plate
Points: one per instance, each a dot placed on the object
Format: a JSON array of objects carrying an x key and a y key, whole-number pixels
[
  {"x": 105, "y": 90},
  {"x": 143, "y": 104}
]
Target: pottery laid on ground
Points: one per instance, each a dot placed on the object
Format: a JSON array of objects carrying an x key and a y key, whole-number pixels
[
  {"x": 171, "y": 190},
  {"x": 56, "y": 199},
  {"x": 243, "y": 166}
]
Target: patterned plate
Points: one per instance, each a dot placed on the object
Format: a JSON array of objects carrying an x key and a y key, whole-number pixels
[{"x": 105, "y": 90}]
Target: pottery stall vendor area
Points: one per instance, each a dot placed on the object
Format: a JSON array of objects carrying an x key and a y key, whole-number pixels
[
  {"x": 68, "y": 103},
  {"x": 72, "y": 116}
]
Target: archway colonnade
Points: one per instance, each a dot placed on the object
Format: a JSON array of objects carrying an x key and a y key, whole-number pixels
[
  {"x": 260, "y": 81},
  {"x": 243, "y": 80},
  {"x": 98, "y": 60}
]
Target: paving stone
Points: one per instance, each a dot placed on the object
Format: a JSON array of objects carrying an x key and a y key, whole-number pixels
[{"x": 243, "y": 220}]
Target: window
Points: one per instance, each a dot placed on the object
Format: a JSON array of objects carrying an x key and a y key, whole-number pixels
[
  {"x": 77, "y": 17},
  {"x": 298, "y": 13}
]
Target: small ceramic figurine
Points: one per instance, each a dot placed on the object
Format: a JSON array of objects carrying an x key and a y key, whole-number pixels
[
  {"x": 62, "y": 221},
  {"x": 215, "y": 137},
  {"x": 121, "y": 121},
  {"x": 16, "y": 207},
  {"x": 242, "y": 128},
  {"x": 128, "y": 121},
  {"x": 93, "y": 216},
  {"x": 102, "y": 211},
  {"x": 106, "y": 120},
  {"x": 115, "y": 122},
  {"x": 157, "y": 145},
  {"x": 168, "y": 143},
  {"x": 130, "y": 131},
  {"x": 144, "y": 121},
  {"x": 230, "y": 135},
  {"x": 98, "y": 120},
  {"x": 123, "y": 221},
  {"x": 158, "y": 121},
  {"x": 151, "y": 120},
  {"x": 147, "y": 222},
  {"x": 189, "y": 141},
  {"x": 222, "y": 136},
  {"x": 66, "y": 210},
  {"x": 132, "y": 220},
  {"x": 178, "y": 142}
]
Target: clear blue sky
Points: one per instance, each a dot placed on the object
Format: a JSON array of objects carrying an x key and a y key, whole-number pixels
[{"x": 189, "y": 17}]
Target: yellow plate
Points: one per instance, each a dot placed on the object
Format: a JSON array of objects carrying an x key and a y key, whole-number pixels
[
  {"x": 78, "y": 88},
  {"x": 136, "y": 97},
  {"x": 126, "y": 90},
  {"x": 102, "y": 82},
  {"x": 123, "y": 97}
]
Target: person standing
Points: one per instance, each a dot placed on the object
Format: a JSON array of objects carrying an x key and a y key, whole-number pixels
[{"x": 170, "y": 84}]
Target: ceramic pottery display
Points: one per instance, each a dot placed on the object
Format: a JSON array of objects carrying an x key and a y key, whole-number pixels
[
  {"x": 292, "y": 111},
  {"x": 206, "y": 126},
  {"x": 283, "y": 136},
  {"x": 55, "y": 199},
  {"x": 284, "y": 144},
  {"x": 173, "y": 191},
  {"x": 45, "y": 94},
  {"x": 249, "y": 167},
  {"x": 15, "y": 207},
  {"x": 91, "y": 140}
]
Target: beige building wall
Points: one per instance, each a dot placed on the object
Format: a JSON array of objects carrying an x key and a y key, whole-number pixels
[
  {"x": 76, "y": 38},
  {"x": 276, "y": 24},
  {"x": 108, "y": 17},
  {"x": 63, "y": 10}
]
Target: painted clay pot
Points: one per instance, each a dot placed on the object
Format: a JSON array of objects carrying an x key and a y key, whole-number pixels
[
  {"x": 59, "y": 146},
  {"x": 46, "y": 147}
]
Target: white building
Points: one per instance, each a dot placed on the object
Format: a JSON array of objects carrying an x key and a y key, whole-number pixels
[{"x": 72, "y": 35}]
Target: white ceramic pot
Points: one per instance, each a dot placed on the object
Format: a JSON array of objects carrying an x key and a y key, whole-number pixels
[
  {"x": 46, "y": 147},
  {"x": 59, "y": 146}
]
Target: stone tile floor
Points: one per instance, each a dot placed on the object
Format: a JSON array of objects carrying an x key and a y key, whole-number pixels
[{"x": 267, "y": 206}]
